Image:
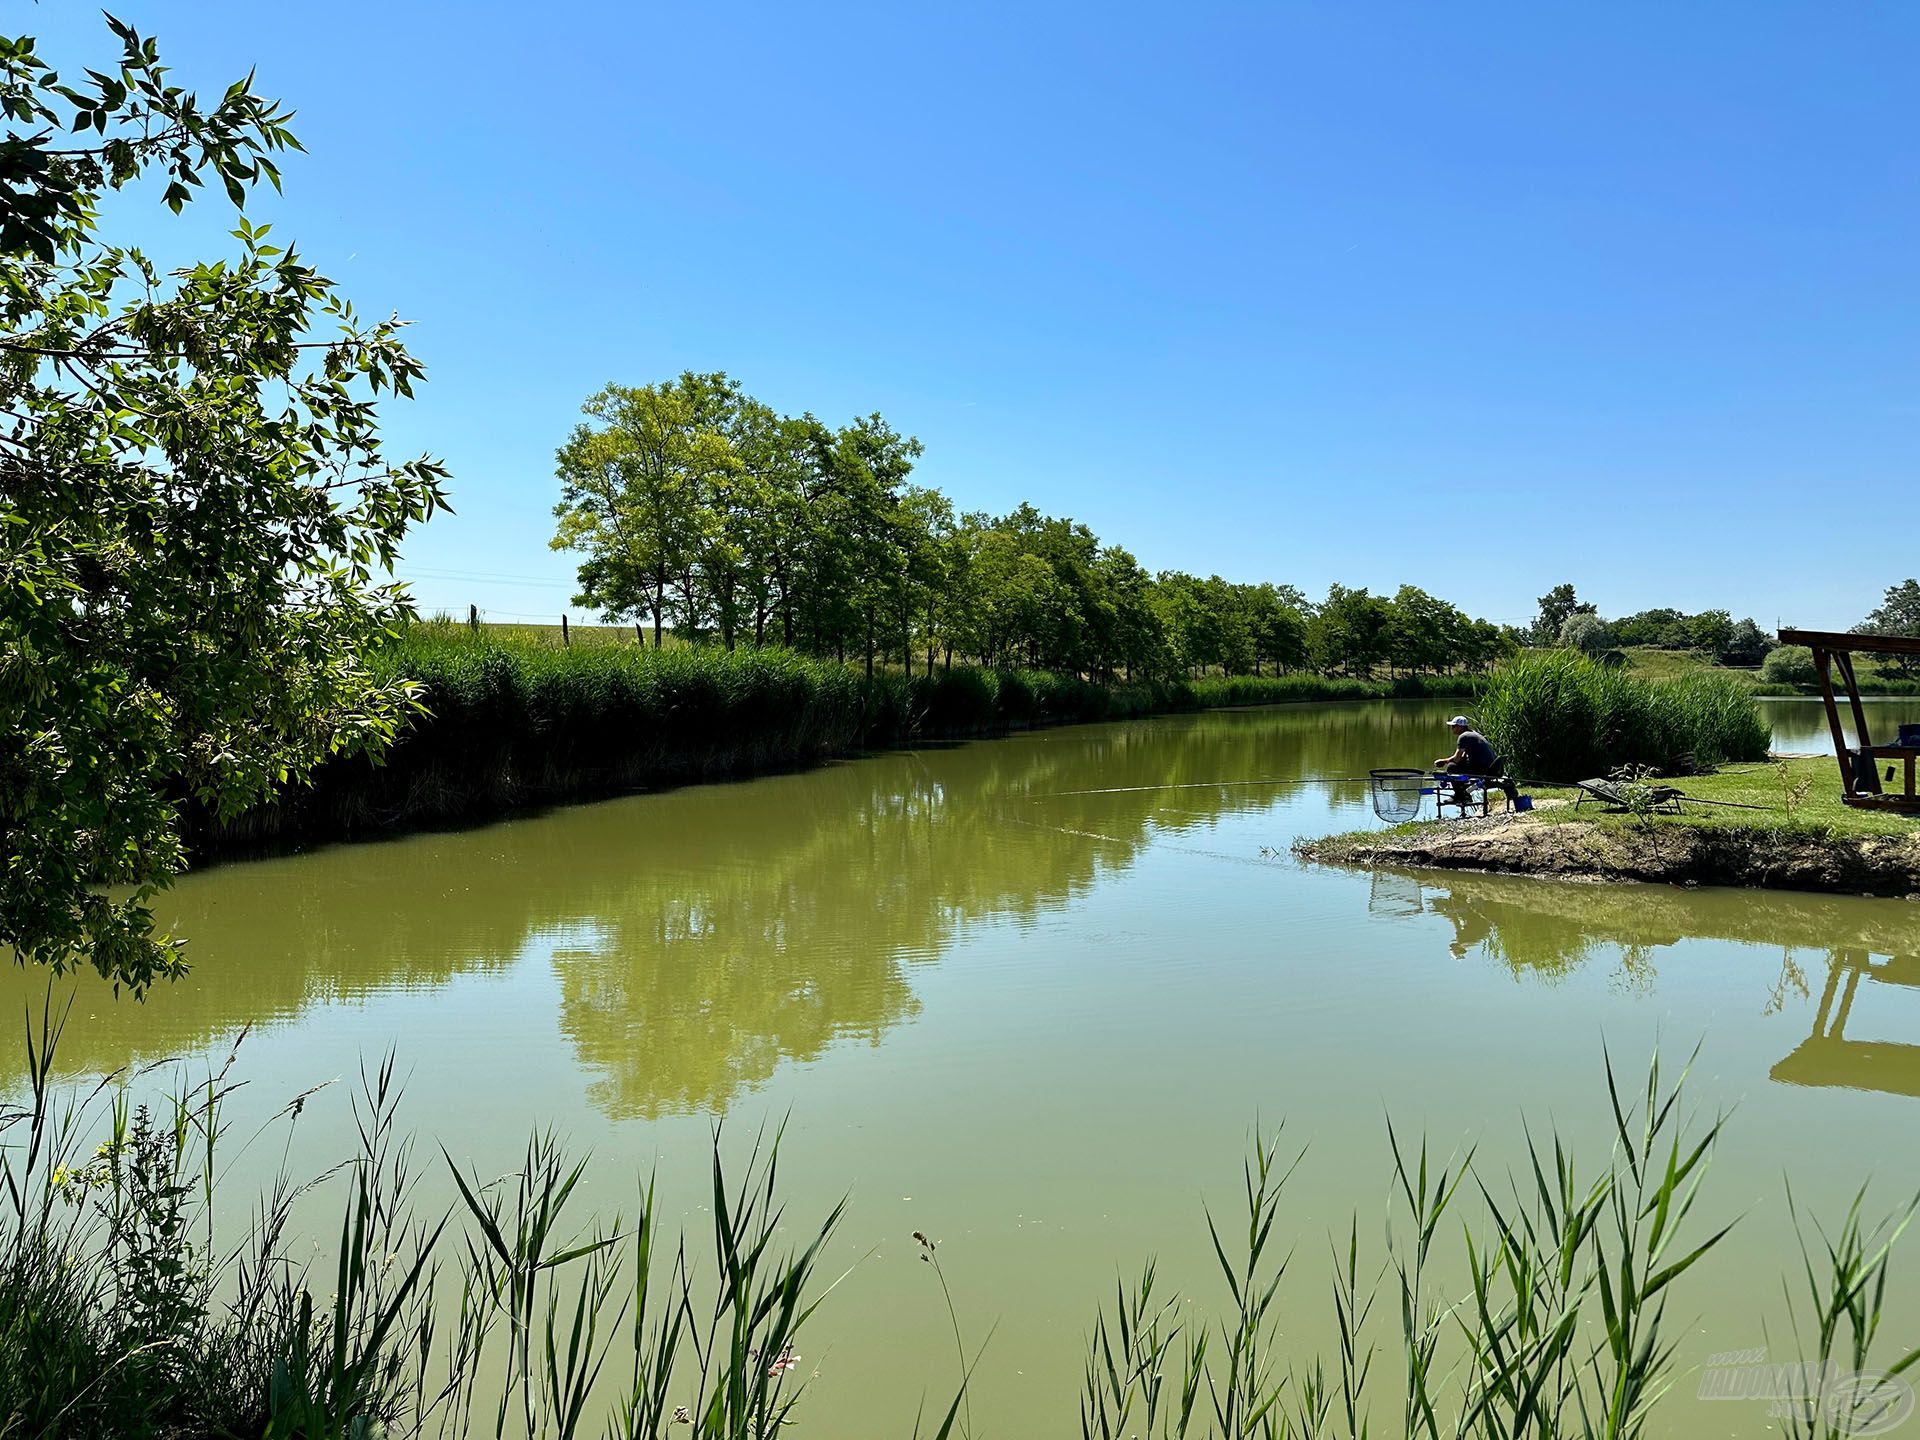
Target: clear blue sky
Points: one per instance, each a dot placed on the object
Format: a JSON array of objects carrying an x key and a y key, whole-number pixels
[{"x": 1261, "y": 290}]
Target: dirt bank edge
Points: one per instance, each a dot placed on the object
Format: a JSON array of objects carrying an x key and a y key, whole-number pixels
[{"x": 1755, "y": 857}]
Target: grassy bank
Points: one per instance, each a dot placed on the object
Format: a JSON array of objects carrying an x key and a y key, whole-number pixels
[
  {"x": 1558, "y": 715},
  {"x": 515, "y": 719},
  {"x": 1776, "y": 826},
  {"x": 1799, "y": 793},
  {"x": 126, "y": 1309}
]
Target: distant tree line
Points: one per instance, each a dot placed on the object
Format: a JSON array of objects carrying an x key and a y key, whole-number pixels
[
  {"x": 698, "y": 509},
  {"x": 1566, "y": 620}
]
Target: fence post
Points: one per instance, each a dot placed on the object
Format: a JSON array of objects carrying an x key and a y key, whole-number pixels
[
  {"x": 639, "y": 634},
  {"x": 473, "y": 618},
  {"x": 564, "y": 639}
]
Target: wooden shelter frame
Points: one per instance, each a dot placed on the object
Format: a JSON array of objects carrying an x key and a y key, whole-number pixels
[{"x": 1860, "y": 764}]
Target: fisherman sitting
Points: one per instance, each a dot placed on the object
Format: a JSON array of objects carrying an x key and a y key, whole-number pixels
[{"x": 1473, "y": 755}]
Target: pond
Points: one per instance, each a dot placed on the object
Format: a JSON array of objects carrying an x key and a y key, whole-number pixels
[{"x": 1033, "y": 997}]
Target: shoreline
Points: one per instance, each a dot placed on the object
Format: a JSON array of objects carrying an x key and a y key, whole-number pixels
[
  {"x": 1803, "y": 858},
  {"x": 359, "y": 802}
]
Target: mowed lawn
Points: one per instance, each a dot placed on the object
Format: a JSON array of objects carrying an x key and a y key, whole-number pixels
[{"x": 1801, "y": 792}]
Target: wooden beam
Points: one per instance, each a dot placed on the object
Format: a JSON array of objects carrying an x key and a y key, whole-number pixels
[
  {"x": 1844, "y": 662},
  {"x": 1848, "y": 642}
]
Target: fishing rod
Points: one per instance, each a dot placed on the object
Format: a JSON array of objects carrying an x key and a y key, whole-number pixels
[
  {"x": 1343, "y": 780},
  {"x": 1202, "y": 785}
]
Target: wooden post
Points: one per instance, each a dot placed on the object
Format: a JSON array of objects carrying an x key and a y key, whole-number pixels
[
  {"x": 1822, "y": 664},
  {"x": 1853, "y": 697},
  {"x": 639, "y": 634},
  {"x": 565, "y": 639},
  {"x": 1846, "y": 998},
  {"x": 473, "y": 618},
  {"x": 1825, "y": 1015},
  {"x": 1859, "y": 718}
]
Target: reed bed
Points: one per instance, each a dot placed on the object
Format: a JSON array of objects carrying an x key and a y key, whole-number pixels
[
  {"x": 509, "y": 720},
  {"x": 1558, "y": 715},
  {"x": 126, "y": 1311},
  {"x": 1500, "y": 1306}
]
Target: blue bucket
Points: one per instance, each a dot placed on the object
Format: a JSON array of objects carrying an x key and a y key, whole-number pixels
[{"x": 1523, "y": 802}]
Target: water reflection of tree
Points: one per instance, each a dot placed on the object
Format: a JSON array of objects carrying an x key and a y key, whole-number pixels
[
  {"x": 1541, "y": 943},
  {"x": 701, "y": 936},
  {"x": 736, "y": 952}
]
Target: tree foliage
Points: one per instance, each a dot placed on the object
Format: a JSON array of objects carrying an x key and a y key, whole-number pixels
[
  {"x": 194, "y": 506},
  {"x": 695, "y": 507},
  {"x": 1898, "y": 613},
  {"x": 1789, "y": 665},
  {"x": 1715, "y": 632},
  {"x": 1557, "y": 606},
  {"x": 1587, "y": 633}
]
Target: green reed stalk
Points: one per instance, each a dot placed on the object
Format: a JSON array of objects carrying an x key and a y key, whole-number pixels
[{"x": 1846, "y": 1287}]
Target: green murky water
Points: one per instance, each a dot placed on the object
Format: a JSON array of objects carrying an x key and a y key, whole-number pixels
[{"x": 1031, "y": 996}]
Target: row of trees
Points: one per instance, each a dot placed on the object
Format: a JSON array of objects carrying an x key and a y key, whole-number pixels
[
  {"x": 1565, "y": 619},
  {"x": 699, "y": 509}
]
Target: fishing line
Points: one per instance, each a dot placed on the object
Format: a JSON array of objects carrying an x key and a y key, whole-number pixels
[
  {"x": 1136, "y": 844},
  {"x": 1200, "y": 785}
]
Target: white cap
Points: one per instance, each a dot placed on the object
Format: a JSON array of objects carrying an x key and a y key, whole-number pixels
[{"x": 1461, "y": 721}]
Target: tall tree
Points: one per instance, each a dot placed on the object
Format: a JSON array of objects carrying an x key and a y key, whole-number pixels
[
  {"x": 1712, "y": 631},
  {"x": 1421, "y": 630},
  {"x": 867, "y": 462},
  {"x": 1190, "y": 624},
  {"x": 1898, "y": 612},
  {"x": 927, "y": 531},
  {"x": 1138, "y": 640},
  {"x": 1557, "y": 606},
  {"x": 1349, "y": 631},
  {"x": 768, "y": 516},
  {"x": 194, "y": 504},
  {"x": 630, "y": 501},
  {"x": 1748, "y": 644},
  {"x": 1279, "y": 629}
]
